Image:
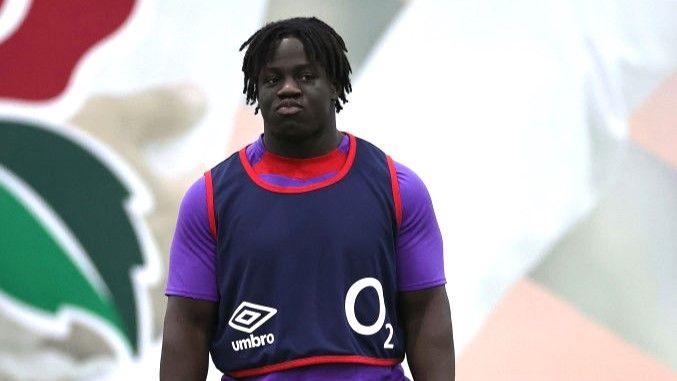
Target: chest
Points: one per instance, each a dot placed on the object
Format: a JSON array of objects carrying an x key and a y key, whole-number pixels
[{"x": 342, "y": 223}]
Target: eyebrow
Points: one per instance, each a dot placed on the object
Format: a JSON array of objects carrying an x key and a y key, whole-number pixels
[{"x": 295, "y": 68}]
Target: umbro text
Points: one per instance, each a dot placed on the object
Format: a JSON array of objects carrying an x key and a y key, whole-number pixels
[{"x": 252, "y": 342}]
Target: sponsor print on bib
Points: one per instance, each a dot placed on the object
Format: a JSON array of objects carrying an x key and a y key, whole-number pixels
[
  {"x": 247, "y": 318},
  {"x": 368, "y": 330}
]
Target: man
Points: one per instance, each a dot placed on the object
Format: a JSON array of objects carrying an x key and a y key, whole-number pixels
[{"x": 309, "y": 254}]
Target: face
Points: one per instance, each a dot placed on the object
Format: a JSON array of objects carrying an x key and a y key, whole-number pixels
[{"x": 295, "y": 95}]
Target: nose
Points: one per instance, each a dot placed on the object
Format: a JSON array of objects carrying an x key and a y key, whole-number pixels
[{"x": 289, "y": 89}]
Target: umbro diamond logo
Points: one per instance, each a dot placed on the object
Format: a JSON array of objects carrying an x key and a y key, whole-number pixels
[{"x": 249, "y": 316}]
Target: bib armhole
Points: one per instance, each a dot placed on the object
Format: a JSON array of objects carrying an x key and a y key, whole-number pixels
[
  {"x": 394, "y": 184},
  {"x": 209, "y": 185}
]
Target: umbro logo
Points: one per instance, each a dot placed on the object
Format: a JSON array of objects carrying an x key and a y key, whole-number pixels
[{"x": 247, "y": 318}]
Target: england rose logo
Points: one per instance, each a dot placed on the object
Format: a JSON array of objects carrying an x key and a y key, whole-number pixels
[{"x": 75, "y": 250}]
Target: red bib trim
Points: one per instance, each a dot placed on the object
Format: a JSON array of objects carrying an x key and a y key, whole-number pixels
[
  {"x": 315, "y": 360},
  {"x": 283, "y": 189}
]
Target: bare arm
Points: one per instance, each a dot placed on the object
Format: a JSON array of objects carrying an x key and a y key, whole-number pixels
[
  {"x": 429, "y": 339},
  {"x": 188, "y": 329}
]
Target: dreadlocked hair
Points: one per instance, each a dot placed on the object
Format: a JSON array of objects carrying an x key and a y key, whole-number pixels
[{"x": 321, "y": 43}]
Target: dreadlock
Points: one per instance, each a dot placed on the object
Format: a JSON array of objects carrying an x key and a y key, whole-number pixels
[{"x": 321, "y": 43}]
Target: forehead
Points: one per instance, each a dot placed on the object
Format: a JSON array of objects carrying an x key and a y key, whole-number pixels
[{"x": 288, "y": 52}]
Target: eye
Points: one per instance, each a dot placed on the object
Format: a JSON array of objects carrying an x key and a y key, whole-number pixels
[
  {"x": 270, "y": 81},
  {"x": 306, "y": 77}
]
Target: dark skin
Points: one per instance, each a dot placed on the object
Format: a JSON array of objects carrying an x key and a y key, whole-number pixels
[
  {"x": 426, "y": 319},
  {"x": 188, "y": 329},
  {"x": 306, "y": 127},
  {"x": 290, "y": 77}
]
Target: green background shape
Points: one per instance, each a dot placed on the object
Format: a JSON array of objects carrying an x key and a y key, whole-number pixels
[
  {"x": 90, "y": 200},
  {"x": 37, "y": 271}
]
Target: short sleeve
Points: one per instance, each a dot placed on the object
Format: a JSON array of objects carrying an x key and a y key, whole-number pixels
[
  {"x": 193, "y": 252},
  {"x": 420, "y": 260}
]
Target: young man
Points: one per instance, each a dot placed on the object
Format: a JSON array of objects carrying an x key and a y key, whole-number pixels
[{"x": 309, "y": 254}]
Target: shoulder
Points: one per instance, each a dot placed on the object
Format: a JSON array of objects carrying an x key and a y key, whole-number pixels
[
  {"x": 408, "y": 178},
  {"x": 193, "y": 217},
  {"x": 420, "y": 261},
  {"x": 195, "y": 197},
  {"x": 368, "y": 149},
  {"x": 222, "y": 167},
  {"x": 192, "y": 252},
  {"x": 411, "y": 193},
  {"x": 413, "y": 190},
  {"x": 193, "y": 224},
  {"x": 193, "y": 213}
]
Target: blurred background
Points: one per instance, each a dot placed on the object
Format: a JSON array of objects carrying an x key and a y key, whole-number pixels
[{"x": 546, "y": 132}]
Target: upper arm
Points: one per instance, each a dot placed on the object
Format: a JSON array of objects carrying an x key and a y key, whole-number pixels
[
  {"x": 426, "y": 320},
  {"x": 190, "y": 317},
  {"x": 420, "y": 260},
  {"x": 192, "y": 257},
  {"x": 188, "y": 314},
  {"x": 426, "y": 310},
  {"x": 187, "y": 333}
]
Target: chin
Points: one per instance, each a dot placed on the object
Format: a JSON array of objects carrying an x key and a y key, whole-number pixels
[{"x": 292, "y": 130}]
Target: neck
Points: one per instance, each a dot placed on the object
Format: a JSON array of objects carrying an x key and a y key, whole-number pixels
[{"x": 315, "y": 145}]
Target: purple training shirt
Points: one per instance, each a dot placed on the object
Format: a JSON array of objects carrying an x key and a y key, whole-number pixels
[{"x": 420, "y": 262}]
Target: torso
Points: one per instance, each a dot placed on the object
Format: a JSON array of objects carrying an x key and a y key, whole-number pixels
[{"x": 291, "y": 254}]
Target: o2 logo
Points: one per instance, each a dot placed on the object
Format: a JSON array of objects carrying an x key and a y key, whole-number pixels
[{"x": 360, "y": 328}]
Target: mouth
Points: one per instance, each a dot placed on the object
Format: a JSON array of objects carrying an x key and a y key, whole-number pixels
[{"x": 288, "y": 108}]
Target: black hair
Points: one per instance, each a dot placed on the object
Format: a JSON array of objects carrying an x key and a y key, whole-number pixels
[{"x": 321, "y": 43}]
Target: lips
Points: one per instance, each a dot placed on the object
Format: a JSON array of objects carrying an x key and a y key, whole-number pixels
[{"x": 288, "y": 107}]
